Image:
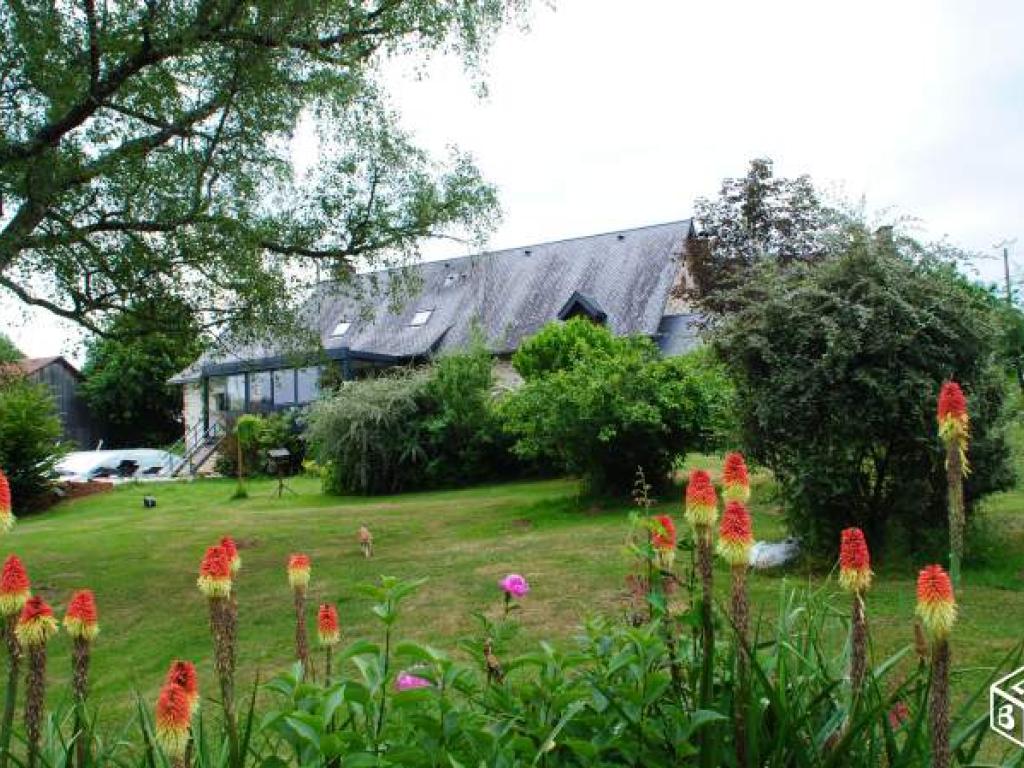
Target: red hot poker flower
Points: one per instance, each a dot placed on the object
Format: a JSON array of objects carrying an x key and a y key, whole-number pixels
[
  {"x": 82, "y": 618},
  {"x": 183, "y": 674},
  {"x": 701, "y": 500},
  {"x": 327, "y": 625},
  {"x": 735, "y": 535},
  {"x": 663, "y": 533},
  {"x": 14, "y": 586},
  {"x": 215, "y": 573},
  {"x": 231, "y": 551},
  {"x": 173, "y": 715},
  {"x": 6, "y": 513},
  {"x": 936, "y": 605},
  {"x": 735, "y": 479},
  {"x": 298, "y": 571},
  {"x": 952, "y": 413},
  {"x": 854, "y": 561},
  {"x": 36, "y": 624}
]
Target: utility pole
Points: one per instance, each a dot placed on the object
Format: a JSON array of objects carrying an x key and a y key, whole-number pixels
[{"x": 1005, "y": 245}]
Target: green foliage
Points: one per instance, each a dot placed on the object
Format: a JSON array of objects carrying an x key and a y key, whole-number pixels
[
  {"x": 9, "y": 352},
  {"x": 757, "y": 218},
  {"x": 618, "y": 407},
  {"x": 259, "y": 435},
  {"x": 560, "y": 346},
  {"x": 838, "y": 368},
  {"x": 29, "y": 440},
  {"x": 623, "y": 696},
  {"x": 411, "y": 429},
  {"x": 141, "y": 142},
  {"x": 126, "y": 373}
]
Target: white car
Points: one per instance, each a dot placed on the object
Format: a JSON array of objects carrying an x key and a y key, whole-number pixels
[{"x": 116, "y": 465}]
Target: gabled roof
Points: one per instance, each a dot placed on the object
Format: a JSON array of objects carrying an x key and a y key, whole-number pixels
[
  {"x": 506, "y": 295},
  {"x": 30, "y": 365}
]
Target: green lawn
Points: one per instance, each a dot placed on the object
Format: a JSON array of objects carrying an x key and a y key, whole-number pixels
[{"x": 142, "y": 565}]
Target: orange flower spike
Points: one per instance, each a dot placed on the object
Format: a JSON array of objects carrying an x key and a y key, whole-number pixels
[
  {"x": 183, "y": 674},
  {"x": 663, "y": 533},
  {"x": 14, "y": 586},
  {"x": 936, "y": 605},
  {"x": 954, "y": 422},
  {"x": 701, "y": 500},
  {"x": 173, "y": 716},
  {"x": 735, "y": 535},
  {"x": 854, "y": 561},
  {"x": 231, "y": 551},
  {"x": 6, "y": 511},
  {"x": 36, "y": 624},
  {"x": 327, "y": 625},
  {"x": 215, "y": 573},
  {"x": 298, "y": 571},
  {"x": 735, "y": 479},
  {"x": 82, "y": 619}
]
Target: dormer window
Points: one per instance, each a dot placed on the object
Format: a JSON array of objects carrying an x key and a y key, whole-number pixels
[
  {"x": 341, "y": 328},
  {"x": 421, "y": 317}
]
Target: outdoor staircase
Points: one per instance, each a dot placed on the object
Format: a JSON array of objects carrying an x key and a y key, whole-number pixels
[{"x": 199, "y": 448}]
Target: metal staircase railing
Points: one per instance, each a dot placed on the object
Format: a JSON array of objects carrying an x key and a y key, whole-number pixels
[{"x": 197, "y": 440}]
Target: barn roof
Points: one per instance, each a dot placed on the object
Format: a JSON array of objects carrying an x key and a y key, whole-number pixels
[
  {"x": 30, "y": 365},
  {"x": 506, "y": 296}
]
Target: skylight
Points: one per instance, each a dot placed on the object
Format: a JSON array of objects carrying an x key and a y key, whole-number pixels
[
  {"x": 421, "y": 317},
  {"x": 341, "y": 328}
]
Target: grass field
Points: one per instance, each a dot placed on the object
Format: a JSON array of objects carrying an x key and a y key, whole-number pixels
[{"x": 142, "y": 565}]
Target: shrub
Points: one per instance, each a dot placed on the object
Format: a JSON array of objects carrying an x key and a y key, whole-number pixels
[
  {"x": 619, "y": 407},
  {"x": 367, "y": 437},
  {"x": 560, "y": 346},
  {"x": 838, "y": 368},
  {"x": 29, "y": 440},
  {"x": 411, "y": 429},
  {"x": 276, "y": 430}
]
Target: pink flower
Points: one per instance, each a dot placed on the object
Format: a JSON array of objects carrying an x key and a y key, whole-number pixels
[
  {"x": 514, "y": 585},
  {"x": 408, "y": 682}
]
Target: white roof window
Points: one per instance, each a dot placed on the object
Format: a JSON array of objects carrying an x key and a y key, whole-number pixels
[
  {"x": 421, "y": 317},
  {"x": 341, "y": 328}
]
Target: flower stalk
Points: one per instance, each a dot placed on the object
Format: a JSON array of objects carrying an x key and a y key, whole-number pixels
[
  {"x": 954, "y": 430},
  {"x": 298, "y": 579},
  {"x": 937, "y": 609},
  {"x": 173, "y": 721},
  {"x": 14, "y": 593},
  {"x": 701, "y": 512},
  {"x": 735, "y": 539},
  {"x": 7, "y": 518},
  {"x": 855, "y": 577},
  {"x": 329, "y": 635},
  {"x": 36, "y": 625},
  {"x": 216, "y": 585},
  {"x": 82, "y": 624}
]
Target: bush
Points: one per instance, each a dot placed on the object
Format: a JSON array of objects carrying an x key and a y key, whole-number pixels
[
  {"x": 29, "y": 440},
  {"x": 838, "y": 368},
  {"x": 276, "y": 430},
  {"x": 619, "y": 406},
  {"x": 411, "y": 429},
  {"x": 560, "y": 346}
]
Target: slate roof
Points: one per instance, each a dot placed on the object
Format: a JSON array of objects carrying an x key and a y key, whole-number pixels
[{"x": 508, "y": 295}]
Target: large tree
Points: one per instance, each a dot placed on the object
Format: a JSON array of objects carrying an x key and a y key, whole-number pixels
[
  {"x": 754, "y": 219},
  {"x": 126, "y": 374},
  {"x": 145, "y": 149},
  {"x": 838, "y": 366}
]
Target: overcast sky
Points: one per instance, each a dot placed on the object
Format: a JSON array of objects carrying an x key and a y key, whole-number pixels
[{"x": 607, "y": 115}]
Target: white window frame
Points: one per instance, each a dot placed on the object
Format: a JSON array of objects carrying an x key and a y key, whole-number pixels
[{"x": 421, "y": 318}]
